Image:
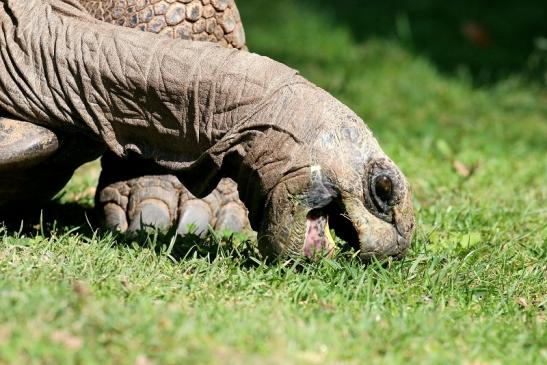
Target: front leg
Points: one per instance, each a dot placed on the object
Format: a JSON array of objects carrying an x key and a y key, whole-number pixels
[{"x": 134, "y": 194}]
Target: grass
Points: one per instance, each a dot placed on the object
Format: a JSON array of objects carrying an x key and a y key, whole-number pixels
[{"x": 472, "y": 289}]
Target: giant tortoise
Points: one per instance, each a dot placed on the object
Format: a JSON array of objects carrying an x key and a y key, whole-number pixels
[{"x": 301, "y": 159}]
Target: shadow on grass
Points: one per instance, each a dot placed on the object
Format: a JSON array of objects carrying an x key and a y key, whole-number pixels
[
  {"x": 51, "y": 217},
  {"x": 57, "y": 218},
  {"x": 239, "y": 247},
  {"x": 488, "y": 40}
]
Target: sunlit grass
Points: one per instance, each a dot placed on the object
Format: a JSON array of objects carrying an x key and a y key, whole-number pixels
[{"x": 471, "y": 290}]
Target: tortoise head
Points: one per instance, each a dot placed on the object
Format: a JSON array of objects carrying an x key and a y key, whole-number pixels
[{"x": 350, "y": 186}]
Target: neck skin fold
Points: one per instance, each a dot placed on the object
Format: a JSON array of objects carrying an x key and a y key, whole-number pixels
[{"x": 166, "y": 100}]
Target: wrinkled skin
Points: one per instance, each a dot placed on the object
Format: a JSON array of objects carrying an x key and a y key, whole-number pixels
[
  {"x": 134, "y": 194},
  {"x": 36, "y": 169},
  {"x": 299, "y": 156}
]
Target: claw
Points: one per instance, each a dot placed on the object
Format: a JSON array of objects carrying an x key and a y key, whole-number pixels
[
  {"x": 114, "y": 217},
  {"x": 194, "y": 214},
  {"x": 150, "y": 213},
  {"x": 232, "y": 217}
]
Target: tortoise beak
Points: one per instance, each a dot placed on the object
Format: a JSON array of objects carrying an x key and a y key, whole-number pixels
[{"x": 378, "y": 238}]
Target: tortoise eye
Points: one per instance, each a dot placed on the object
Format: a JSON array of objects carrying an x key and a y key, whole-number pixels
[{"x": 383, "y": 188}]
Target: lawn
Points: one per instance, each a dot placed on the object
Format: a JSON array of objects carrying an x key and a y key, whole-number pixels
[{"x": 467, "y": 123}]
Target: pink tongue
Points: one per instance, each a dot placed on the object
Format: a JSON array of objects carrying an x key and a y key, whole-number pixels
[{"x": 316, "y": 242}]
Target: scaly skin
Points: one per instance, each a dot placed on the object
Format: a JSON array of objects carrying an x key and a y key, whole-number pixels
[
  {"x": 215, "y": 21},
  {"x": 206, "y": 112}
]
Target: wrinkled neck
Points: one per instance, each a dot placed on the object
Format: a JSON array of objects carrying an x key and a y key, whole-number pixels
[
  {"x": 276, "y": 143},
  {"x": 162, "y": 99},
  {"x": 270, "y": 159}
]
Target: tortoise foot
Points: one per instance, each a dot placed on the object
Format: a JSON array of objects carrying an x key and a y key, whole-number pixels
[{"x": 162, "y": 202}]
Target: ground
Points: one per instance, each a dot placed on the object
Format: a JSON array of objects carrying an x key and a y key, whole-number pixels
[{"x": 472, "y": 138}]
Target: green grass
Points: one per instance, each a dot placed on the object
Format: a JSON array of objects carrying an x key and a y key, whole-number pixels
[{"x": 471, "y": 290}]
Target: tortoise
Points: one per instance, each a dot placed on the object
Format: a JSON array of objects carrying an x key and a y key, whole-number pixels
[{"x": 303, "y": 161}]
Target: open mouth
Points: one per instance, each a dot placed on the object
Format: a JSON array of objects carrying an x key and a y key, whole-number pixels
[{"x": 318, "y": 239}]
